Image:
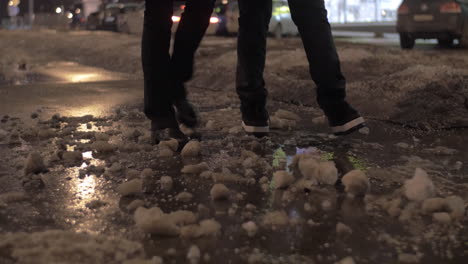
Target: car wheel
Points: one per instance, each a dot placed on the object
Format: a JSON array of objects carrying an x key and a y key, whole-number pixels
[
  {"x": 464, "y": 37},
  {"x": 406, "y": 41},
  {"x": 278, "y": 32},
  {"x": 445, "y": 42}
]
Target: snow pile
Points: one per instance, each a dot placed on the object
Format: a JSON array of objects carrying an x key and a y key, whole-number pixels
[
  {"x": 356, "y": 183},
  {"x": 134, "y": 186},
  {"x": 282, "y": 179},
  {"x": 34, "y": 164},
  {"x": 155, "y": 221},
  {"x": 420, "y": 187},
  {"x": 312, "y": 167},
  {"x": 251, "y": 228},
  {"x": 56, "y": 246},
  {"x": 219, "y": 191},
  {"x": 191, "y": 149},
  {"x": 207, "y": 227}
]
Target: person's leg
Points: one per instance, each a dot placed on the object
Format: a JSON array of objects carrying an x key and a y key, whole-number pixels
[
  {"x": 310, "y": 16},
  {"x": 192, "y": 27},
  {"x": 254, "y": 20},
  {"x": 156, "y": 64}
]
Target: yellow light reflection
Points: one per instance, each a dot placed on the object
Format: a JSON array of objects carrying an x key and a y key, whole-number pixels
[
  {"x": 86, "y": 77},
  {"x": 85, "y": 188},
  {"x": 87, "y": 155}
]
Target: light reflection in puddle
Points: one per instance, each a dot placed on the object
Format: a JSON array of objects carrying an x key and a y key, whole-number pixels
[
  {"x": 88, "y": 127},
  {"x": 88, "y": 155}
]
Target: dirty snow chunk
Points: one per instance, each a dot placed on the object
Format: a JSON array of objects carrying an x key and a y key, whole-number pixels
[
  {"x": 194, "y": 255},
  {"x": 147, "y": 173},
  {"x": 191, "y": 149},
  {"x": 155, "y": 221},
  {"x": 72, "y": 158},
  {"x": 131, "y": 187},
  {"x": 57, "y": 246},
  {"x": 284, "y": 114},
  {"x": 12, "y": 197},
  {"x": 320, "y": 120},
  {"x": 356, "y": 183},
  {"x": 443, "y": 218},
  {"x": 165, "y": 152},
  {"x": 208, "y": 227},
  {"x": 282, "y": 179},
  {"x": 95, "y": 204},
  {"x": 328, "y": 173},
  {"x": 166, "y": 183},
  {"x": 409, "y": 258},
  {"x": 101, "y": 137},
  {"x": 456, "y": 206},
  {"x": 342, "y": 229},
  {"x": 432, "y": 205},
  {"x": 184, "y": 197},
  {"x": 364, "y": 131},
  {"x": 313, "y": 169},
  {"x": 275, "y": 219},
  {"x": 441, "y": 150},
  {"x": 347, "y": 260},
  {"x": 171, "y": 144},
  {"x": 251, "y": 228},
  {"x": 103, "y": 147},
  {"x": 458, "y": 165},
  {"x": 219, "y": 191},
  {"x": 34, "y": 164},
  {"x": 115, "y": 167},
  {"x": 256, "y": 257},
  {"x": 402, "y": 145},
  {"x": 3, "y": 134},
  {"x": 420, "y": 187},
  {"x": 263, "y": 180},
  {"x": 134, "y": 205},
  {"x": 195, "y": 169}
]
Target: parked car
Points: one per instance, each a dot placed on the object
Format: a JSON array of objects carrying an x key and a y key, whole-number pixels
[
  {"x": 281, "y": 23},
  {"x": 444, "y": 20},
  {"x": 133, "y": 21},
  {"x": 111, "y": 17}
]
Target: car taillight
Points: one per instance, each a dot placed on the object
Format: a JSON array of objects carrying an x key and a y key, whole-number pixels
[
  {"x": 214, "y": 20},
  {"x": 450, "y": 8},
  {"x": 182, "y": 7},
  {"x": 403, "y": 9},
  {"x": 175, "y": 19}
]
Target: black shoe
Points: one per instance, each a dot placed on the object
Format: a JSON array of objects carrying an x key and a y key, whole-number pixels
[
  {"x": 185, "y": 113},
  {"x": 345, "y": 120},
  {"x": 255, "y": 121}
]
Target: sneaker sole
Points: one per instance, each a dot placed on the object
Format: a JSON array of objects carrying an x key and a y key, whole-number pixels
[
  {"x": 349, "y": 127},
  {"x": 255, "y": 129}
]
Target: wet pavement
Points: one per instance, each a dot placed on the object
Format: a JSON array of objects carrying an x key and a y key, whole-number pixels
[{"x": 81, "y": 195}]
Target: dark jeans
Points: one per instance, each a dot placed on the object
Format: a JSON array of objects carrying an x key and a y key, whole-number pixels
[
  {"x": 164, "y": 75},
  {"x": 310, "y": 16}
]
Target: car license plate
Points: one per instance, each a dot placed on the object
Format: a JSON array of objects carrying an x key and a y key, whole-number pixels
[
  {"x": 110, "y": 19},
  {"x": 423, "y": 18}
]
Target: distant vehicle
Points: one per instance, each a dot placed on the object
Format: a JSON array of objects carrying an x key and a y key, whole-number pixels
[
  {"x": 111, "y": 17},
  {"x": 444, "y": 20},
  {"x": 281, "y": 23},
  {"x": 133, "y": 21}
]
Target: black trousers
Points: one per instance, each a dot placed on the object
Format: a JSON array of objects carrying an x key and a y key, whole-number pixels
[
  {"x": 165, "y": 74},
  {"x": 310, "y": 16}
]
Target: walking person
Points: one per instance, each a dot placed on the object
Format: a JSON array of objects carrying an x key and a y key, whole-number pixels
[
  {"x": 165, "y": 98},
  {"x": 310, "y": 16}
]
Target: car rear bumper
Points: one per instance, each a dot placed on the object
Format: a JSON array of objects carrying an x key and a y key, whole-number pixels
[{"x": 441, "y": 26}]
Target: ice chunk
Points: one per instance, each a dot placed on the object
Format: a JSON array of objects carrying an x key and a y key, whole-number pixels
[
  {"x": 34, "y": 164},
  {"x": 356, "y": 183},
  {"x": 184, "y": 197},
  {"x": 420, "y": 187},
  {"x": 282, "y": 179},
  {"x": 443, "y": 218},
  {"x": 347, "y": 260},
  {"x": 208, "y": 227},
  {"x": 171, "y": 144},
  {"x": 456, "y": 206},
  {"x": 134, "y": 205},
  {"x": 191, "y": 149},
  {"x": 328, "y": 173},
  {"x": 219, "y": 191},
  {"x": 131, "y": 187},
  {"x": 147, "y": 173},
  {"x": 409, "y": 258},
  {"x": 312, "y": 168},
  {"x": 155, "y": 221},
  {"x": 195, "y": 169},
  {"x": 343, "y": 230},
  {"x": 165, "y": 152},
  {"x": 284, "y": 114},
  {"x": 103, "y": 147},
  {"x": 194, "y": 254},
  {"x": 275, "y": 219},
  {"x": 251, "y": 228},
  {"x": 166, "y": 183},
  {"x": 432, "y": 205},
  {"x": 72, "y": 158}
]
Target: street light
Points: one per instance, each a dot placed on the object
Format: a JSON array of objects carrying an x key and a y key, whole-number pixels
[{"x": 58, "y": 10}]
